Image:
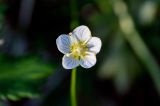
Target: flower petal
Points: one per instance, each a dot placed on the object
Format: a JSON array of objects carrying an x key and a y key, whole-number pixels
[
  {"x": 88, "y": 61},
  {"x": 68, "y": 62},
  {"x": 63, "y": 43},
  {"x": 82, "y": 33},
  {"x": 94, "y": 45}
]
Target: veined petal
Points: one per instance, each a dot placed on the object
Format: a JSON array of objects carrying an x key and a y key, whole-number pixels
[
  {"x": 88, "y": 61},
  {"x": 82, "y": 33},
  {"x": 94, "y": 45},
  {"x": 68, "y": 62},
  {"x": 63, "y": 43}
]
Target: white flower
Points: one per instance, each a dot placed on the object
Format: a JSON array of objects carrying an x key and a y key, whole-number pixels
[{"x": 79, "y": 48}]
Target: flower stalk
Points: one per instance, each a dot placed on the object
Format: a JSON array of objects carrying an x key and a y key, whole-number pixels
[{"x": 73, "y": 88}]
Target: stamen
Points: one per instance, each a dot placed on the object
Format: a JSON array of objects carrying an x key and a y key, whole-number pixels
[
  {"x": 79, "y": 49},
  {"x": 68, "y": 54},
  {"x": 70, "y": 34}
]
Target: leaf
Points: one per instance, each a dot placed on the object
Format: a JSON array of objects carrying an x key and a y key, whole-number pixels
[{"x": 22, "y": 77}]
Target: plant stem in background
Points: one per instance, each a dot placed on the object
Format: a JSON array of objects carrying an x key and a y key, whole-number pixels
[
  {"x": 127, "y": 26},
  {"x": 73, "y": 88},
  {"x": 74, "y": 14}
]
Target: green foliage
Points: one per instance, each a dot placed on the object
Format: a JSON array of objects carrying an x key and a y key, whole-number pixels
[
  {"x": 22, "y": 77},
  {"x": 3, "y": 7}
]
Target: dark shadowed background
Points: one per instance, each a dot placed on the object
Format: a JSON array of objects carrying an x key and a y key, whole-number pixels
[{"x": 127, "y": 72}]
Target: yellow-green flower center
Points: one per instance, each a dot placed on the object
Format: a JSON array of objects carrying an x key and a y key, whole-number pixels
[{"x": 78, "y": 50}]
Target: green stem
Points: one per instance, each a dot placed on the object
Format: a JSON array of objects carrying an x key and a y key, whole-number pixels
[
  {"x": 73, "y": 88},
  {"x": 74, "y": 23}
]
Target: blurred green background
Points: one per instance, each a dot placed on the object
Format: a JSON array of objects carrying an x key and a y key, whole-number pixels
[{"x": 127, "y": 72}]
